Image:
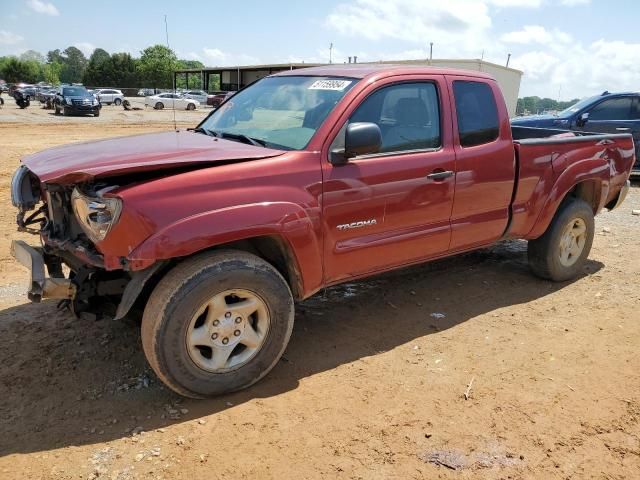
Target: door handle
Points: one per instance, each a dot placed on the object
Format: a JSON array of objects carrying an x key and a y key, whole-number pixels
[
  {"x": 621, "y": 129},
  {"x": 441, "y": 175}
]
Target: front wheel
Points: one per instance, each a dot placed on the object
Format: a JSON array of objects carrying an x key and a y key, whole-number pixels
[
  {"x": 117, "y": 102},
  {"x": 159, "y": 106},
  {"x": 191, "y": 106},
  {"x": 217, "y": 323},
  {"x": 561, "y": 252}
]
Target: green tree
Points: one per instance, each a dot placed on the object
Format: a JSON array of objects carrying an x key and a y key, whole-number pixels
[
  {"x": 74, "y": 63},
  {"x": 125, "y": 70},
  {"x": 15, "y": 70},
  {"x": 156, "y": 67},
  {"x": 195, "y": 82},
  {"x": 55, "y": 56},
  {"x": 95, "y": 74},
  {"x": 51, "y": 72},
  {"x": 535, "y": 105},
  {"x": 32, "y": 55}
]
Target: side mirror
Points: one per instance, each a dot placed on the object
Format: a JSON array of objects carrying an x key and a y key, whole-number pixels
[
  {"x": 361, "y": 138},
  {"x": 583, "y": 118}
]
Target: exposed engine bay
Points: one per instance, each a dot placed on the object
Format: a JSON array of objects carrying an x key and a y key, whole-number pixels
[{"x": 69, "y": 220}]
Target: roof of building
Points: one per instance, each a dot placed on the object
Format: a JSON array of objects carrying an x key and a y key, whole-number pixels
[{"x": 361, "y": 70}]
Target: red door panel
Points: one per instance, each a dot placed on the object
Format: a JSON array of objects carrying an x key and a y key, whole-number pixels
[
  {"x": 403, "y": 214},
  {"x": 484, "y": 179}
]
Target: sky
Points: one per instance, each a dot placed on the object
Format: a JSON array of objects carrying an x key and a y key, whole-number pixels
[{"x": 566, "y": 48}]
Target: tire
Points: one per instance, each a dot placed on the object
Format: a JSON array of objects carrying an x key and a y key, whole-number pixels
[
  {"x": 117, "y": 102},
  {"x": 191, "y": 106},
  {"x": 159, "y": 106},
  {"x": 96, "y": 113},
  {"x": 545, "y": 253},
  {"x": 173, "y": 312}
]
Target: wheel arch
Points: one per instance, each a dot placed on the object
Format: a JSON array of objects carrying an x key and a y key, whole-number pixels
[
  {"x": 587, "y": 180},
  {"x": 280, "y": 233}
]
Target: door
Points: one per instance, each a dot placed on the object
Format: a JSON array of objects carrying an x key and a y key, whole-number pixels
[
  {"x": 485, "y": 161},
  {"x": 388, "y": 209},
  {"x": 615, "y": 115}
]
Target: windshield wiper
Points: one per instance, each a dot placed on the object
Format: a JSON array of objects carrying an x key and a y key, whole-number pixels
[
  {"x": 242, "y": 137},
  {"x": 202, "y": 130}
]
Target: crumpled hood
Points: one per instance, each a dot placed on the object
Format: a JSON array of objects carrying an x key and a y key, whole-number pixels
[{"x": 107, "y": 158}]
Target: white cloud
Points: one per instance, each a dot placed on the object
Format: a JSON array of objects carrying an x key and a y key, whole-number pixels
[
  {"x": 46, "y": 8},
  {"x": 9, "y": 38},
  {"x": 86, "y": 48},
  {"x": 536, "y": 34},
  {"x": 573, "y": 3},
  {"x": 409, "y": 20},
  {"x": 216, "y": 57},
  {"x": 578, "y": 70},
  {"x": 516, "y": 3}
]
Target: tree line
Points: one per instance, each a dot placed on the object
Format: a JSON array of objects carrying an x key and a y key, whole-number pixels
[
  {"x": 153, "y": 69},
  {"x": 536, "y": 105}
]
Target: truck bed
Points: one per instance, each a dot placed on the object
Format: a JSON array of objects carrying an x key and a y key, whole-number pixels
[{"x": 545, "y": 158}]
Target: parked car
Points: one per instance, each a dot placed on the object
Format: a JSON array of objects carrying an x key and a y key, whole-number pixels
[
  {"x": 46, "y": 94},
  {"x": 605, "y": 113},
  {"x": 200, "y": 95},
  {"x": 107, "y": 96},
  {"x": 171, "y": 100},
  {"x": 216, "y": 100},
  {"x": 28, "y": 91},
  {"x": 352, "y": 172},
  {"x": 71, "y": 100}
]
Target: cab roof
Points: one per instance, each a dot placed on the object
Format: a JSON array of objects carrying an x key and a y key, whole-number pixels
[{"x": 362, "y": 70}]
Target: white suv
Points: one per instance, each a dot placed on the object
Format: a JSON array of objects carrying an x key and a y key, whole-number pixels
[{"x": 107, "y": 96}]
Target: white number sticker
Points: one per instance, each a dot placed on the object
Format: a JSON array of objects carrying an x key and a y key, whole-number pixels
[{"x": 330, "y": 85}]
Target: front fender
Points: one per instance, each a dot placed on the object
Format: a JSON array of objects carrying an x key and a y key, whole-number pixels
[
  {"x": 594, "y": 170},
  {"x": 286, "y": 220}
]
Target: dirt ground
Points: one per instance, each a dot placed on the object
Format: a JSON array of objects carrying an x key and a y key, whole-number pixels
[{"x": 371, "y": 385}]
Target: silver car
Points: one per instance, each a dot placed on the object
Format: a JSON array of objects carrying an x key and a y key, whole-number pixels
[
  {"x": 199, "y": 95},
  {"x": 107, "y": 96}
]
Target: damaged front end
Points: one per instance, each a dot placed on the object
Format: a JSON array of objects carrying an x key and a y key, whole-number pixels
[{"x": 70, "y": 220}]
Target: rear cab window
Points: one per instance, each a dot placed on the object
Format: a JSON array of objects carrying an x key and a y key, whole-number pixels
[{"x": 477, "y": 113}]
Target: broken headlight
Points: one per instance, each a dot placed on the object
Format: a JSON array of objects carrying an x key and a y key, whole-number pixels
[{"x": 96, "y": 214}]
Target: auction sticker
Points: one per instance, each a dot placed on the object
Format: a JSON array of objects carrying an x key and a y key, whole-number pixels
[{"x": 330, "y": 85}]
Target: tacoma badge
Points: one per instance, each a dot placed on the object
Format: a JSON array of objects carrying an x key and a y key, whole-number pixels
[{"x": 360, "y": 224}]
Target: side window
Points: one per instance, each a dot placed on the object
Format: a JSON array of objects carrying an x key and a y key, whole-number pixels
[
  {"x": 613, "y": 109},
  {"x": 477, "y": 113},
  {"x": 636, "y": 109},
  {"x": 408, "y": 115}
]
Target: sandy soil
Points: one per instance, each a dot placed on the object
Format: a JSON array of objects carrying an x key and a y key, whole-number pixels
[{"x": 372, "y": 383}]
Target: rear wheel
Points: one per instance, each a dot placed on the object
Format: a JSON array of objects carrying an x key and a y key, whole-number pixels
[
  {"x": 561, "y": 252},
  {"x": 159, "y": 106},
  {"x": 217, "y": 323}
]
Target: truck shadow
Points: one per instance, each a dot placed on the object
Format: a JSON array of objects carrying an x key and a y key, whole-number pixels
[{"x": 73, "y": 382}]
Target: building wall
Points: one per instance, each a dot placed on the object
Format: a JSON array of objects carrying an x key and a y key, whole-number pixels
[{"x": 507, "y": 78}]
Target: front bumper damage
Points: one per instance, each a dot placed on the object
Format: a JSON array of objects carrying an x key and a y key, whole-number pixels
[{"x": 41, "y": 286}]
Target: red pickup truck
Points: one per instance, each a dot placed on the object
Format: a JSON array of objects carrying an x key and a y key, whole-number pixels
[{"x": 302, "y": 180}]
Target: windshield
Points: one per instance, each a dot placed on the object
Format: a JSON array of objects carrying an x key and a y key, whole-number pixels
[
  {"x": 576, "y": 107},
  {"x": 280, "y": 112},
  {"x": 75, "y": 91}
]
